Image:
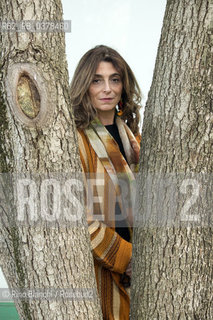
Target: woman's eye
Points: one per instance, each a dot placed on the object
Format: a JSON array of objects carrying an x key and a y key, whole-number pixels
[
  {"x": 116, "y": 80},
  {"x": 95, "y": 81}
]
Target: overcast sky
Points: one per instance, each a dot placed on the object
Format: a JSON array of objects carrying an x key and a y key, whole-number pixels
[{"x": 132, "y": 27}]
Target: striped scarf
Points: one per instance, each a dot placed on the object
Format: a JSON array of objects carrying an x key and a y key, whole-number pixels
[{"x": 120, "y": 172}]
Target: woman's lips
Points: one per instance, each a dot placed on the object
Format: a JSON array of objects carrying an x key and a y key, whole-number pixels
[{"x": 106, "y": 99}]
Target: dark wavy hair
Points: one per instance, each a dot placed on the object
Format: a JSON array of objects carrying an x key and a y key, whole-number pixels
[{"x": 83, "y": 110}]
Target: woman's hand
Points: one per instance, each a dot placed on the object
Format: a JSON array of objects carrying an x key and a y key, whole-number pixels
[{"x": 129, "y": 269}]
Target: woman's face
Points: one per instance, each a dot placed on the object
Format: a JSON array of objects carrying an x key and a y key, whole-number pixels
[{"x": 105, "y": 90}]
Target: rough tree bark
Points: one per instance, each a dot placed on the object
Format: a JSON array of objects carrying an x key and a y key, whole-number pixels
[
  {"x": 38, "y": 144},
  {"x": 172, "y": 247}
]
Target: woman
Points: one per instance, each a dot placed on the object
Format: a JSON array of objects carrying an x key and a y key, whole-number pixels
[{"x": 105, "y": 100}]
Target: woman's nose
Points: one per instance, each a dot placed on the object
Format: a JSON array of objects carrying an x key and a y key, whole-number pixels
[{"x": 107, "y": 87}]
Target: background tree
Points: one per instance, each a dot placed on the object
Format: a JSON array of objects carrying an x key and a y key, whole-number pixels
[
  {"x": 38, "y": 142},
  {"x": 172, "y": 247}
]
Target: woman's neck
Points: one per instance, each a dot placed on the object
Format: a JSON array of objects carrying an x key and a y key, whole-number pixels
[{"x": 106, "y": 118}]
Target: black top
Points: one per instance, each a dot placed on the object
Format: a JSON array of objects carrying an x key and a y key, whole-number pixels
[
  {"x": 113, "y": 130},
  {"x": 121, "y": 227}
]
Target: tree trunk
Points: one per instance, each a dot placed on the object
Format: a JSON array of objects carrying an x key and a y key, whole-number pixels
[
  {"x": 172, "y": 246},
  {"x": 45, "y": 238}
]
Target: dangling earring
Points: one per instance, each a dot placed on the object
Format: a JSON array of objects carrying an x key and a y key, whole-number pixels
[{"x": 120, "y": 108}]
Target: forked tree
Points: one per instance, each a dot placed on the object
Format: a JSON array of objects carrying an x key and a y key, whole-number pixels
[{"x": 172, "y": 247}]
